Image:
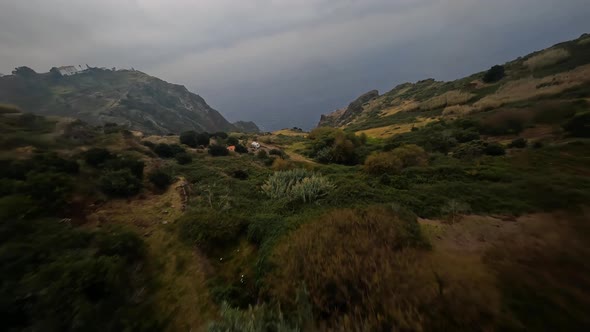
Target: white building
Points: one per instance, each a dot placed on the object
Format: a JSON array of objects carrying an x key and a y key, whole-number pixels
[
  {"x": 255, "y": 145},
  {"x": 68, "y": 70}
]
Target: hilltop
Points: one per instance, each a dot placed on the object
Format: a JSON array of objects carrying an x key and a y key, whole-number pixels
[
  {"x": 553, "y": 75},
  {"x": 125, "y": 97}
]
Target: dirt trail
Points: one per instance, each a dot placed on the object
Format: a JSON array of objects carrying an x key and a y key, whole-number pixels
[
  {"x": 293, "y": 155},
  {"x": 183, "y": 295}
]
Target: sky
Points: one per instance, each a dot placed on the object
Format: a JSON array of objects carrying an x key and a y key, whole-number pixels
[{"x": 284, "y": 63}]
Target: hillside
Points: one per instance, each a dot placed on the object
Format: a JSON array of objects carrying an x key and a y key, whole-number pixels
[
  {"x": 554, "y": 75},
  {"x": 126, "y": 97}
]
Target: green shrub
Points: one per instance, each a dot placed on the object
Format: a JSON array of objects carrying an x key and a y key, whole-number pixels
[
  {"x": 494, "y": 149},
  {"x": 276, "y": 152},
  {"x": 120, "y": 183},
  {"x": 164, "y": 150},
  {"x": 220, "y": 134},
  {"x": 262, "y": 154},
  {"x": 135, "y": 166},
  {"x": 297, "y": 185},
  {"x": 240, "y": 174},
  {"x": 518, "y": 143},
  {"x": 393, "y": 162},
  {"x": 365, "y": 271},
  {"x": 96, "y": 157},
  {"x": 241, "y": 149},
  {"x": 216, "y": 150},
  {"x": 495, "y": 74},
  {"x": 210, "y": 229},
  {"x": 203, "y": 139},
  {"x": 49, "y": 190},
  {"x": 160, "y": 179},
  {"x": 183, "y": 158},
  {"x": 189, "y": 138},
  {"x": 254, "y": 319},
  {"x": 232, "y": 140}
]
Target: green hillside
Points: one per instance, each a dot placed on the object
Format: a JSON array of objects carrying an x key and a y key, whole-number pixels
[{"x": 126, "y": 97}]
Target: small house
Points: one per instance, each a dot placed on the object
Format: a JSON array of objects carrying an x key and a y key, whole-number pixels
[
  {"x": 255, "y": 145},
  {"x": 68, "y": 70},
  {"x": 231, "y": 148}
]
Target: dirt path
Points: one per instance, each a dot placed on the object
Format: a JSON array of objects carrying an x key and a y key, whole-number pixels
[
  {"x": 293, "y": 155},
  {"x": 183, "y": 295}
]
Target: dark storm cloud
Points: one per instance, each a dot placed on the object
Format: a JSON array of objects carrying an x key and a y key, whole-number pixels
[{"x": 283, "y": 63}]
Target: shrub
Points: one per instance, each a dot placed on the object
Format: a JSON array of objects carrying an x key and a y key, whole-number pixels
[
  {"x": 210, "y": 229},
  {"x": 241, "y": 149},
  {"x": 262, "y": 154},
  {"x": 297, "y": 185},
  {"x": 330, "y": 145},
  {"x": 203, "y": 139},
  {"x": 189, "y": 138},
  {"x": 184, "y": 158},
  {"x": 393, "y": 162},
  {"x": 280, "y": 164},
  {"x": 275, "y": 152},
  {"x": 97, "y": 156},
  {"x": 216, "y": 150},
  {"x": 506, "y": 122},
  {"x": 49, "y": 189},
  {"x": 518, "y": 143},
  {"x": 119, "y": 183},
  {"x": 495, "y": 74},
  {"x": 547, "y": 58},
  {"x": 468, "y": 135},
  {"x": 160, "y": 178},
  {"x": 149, "y": 144},
  {"x": 164, "y": 150},
  {"x": 383, "y": 163},
  {"x": 135, "y": 166},
  {"x": 469, "y": 150},
  {"x": 364, "y": 271},
  {"x": 232, "y": 140},
  {"x": 494, "y": 149},
  {"x": 260, "y": 318},
  {"x": 220, "y": 134}
]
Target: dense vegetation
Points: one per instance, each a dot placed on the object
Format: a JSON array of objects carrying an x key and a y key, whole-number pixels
[{"x": 470, "y": 222}]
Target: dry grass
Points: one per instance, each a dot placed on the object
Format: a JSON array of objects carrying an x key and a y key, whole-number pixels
[
  {"x": 457, "y": 110},
  {"x": 404, "y": 106},
  {"x": 290, "y": 132},
  {"x": 392, "y": 130},
  {"x": 547, "y": 58},
  {"x": 449, "y": 98},
  {"x": 584, "y": 41},
  {"x": 527, "y": 88}
]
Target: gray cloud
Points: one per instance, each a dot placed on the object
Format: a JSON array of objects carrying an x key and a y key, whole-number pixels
[{"x": 283, "y": 63}]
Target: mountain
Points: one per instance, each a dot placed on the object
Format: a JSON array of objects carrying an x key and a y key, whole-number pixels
[
  {"x": 126, "y": 97},
  {"x": 246, "y": 127},
  {"x": 558, "y": 73}
]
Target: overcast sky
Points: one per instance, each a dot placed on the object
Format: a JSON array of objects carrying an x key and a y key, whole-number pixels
[{"x": 283, "y": 63}]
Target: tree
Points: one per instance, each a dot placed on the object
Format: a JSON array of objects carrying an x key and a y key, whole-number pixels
[
  {"x": 232, "y": 140},
  {"x": 495, "y": 74},
  {"x": 96, "y": 157},
  {"x": 160, "y": 179},
  {"x": 189, "y": 138},
  {"x": 119, "y": 183},
  {"x": 218, "y": 150},
  {"x": 184, "y": 158},
  {"x": 24, "y": 72},
  {"x": 164, "y": 150},
  {"x": 203, "y": 139}
]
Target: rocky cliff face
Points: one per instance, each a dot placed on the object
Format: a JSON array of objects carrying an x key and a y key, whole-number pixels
[
  {"x": 131, "y": 98},
  {"x": 342, "y": 116},
  {"x": 246, "y": 127}
]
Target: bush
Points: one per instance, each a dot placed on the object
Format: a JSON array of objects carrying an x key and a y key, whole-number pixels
[
  {"x": 95, "y": 157},
  {"x": 164, "y": 150},
  {"x": 149, "y": 144},
  {"x": 495, "y": 74},
  {"x": 135, "y": 166},
  {"x": 330, "y": 145},
  {"x": 494, "y": 149},
  {"x": 275, "y": 152},
  {"x": 184, "y": 158},
  {"x": 262, "y": 154},
  {"x": 393, "y": 162},
  {"x": 518, "y": 143},
  {"x": 160, "y": 179},
  {"x": 241, "y": 149},
  {"x": 210, "y": 229},
  {"x": 297, "y": 185},
  {"x": 220, "y": 134},
  {"x": 216, "y": 150},
  {"x": 189, "y": 138},
  {"x": 364, "y": 271},
  {"x": 232, "y": 140},
  {"x": 120, "y": 183},
  {"x": 280, "y": 164},
  {"x": 203, "y": 139}
]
